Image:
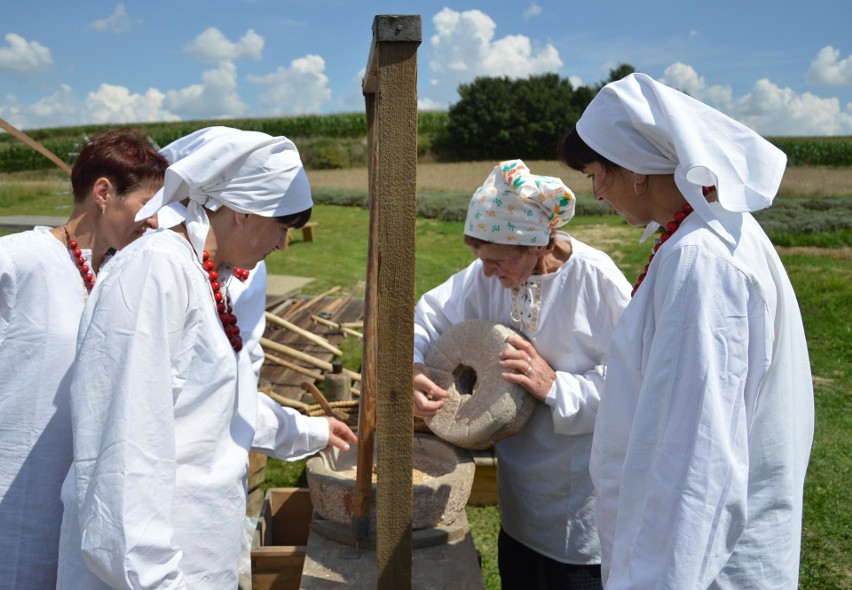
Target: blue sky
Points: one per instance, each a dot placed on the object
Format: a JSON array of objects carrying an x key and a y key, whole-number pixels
[{"x": 781, "y": 67}]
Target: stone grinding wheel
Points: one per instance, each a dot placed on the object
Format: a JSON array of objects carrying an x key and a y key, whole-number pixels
[{"x": 483, "y": 408}]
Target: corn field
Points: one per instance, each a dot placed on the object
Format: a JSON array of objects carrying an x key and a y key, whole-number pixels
[{"x": 335, "y": 137}]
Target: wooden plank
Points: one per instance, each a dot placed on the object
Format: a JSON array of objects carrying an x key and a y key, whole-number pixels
[
  {"x": 391, "y": 270},
  {"x": 280, "y": 540}
]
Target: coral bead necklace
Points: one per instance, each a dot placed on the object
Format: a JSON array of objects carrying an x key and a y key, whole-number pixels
[
  {"x": 223, "y": 306},
  {"x": 80, "y": 260},
  {"x": 670, "y": 228}
]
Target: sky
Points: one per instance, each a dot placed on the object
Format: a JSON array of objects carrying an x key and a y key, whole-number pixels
[{"x": 784, "y": 68}]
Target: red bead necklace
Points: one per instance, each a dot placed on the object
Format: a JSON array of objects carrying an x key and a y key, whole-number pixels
[
  {"x": 671, "y": 227},
  {"x": 223, "y": 306},
  {"x": 77, "y": 255}
]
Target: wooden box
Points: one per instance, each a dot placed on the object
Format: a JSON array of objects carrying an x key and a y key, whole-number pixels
[
  {"x": 280, "y": 540},
  {"x": 483, "y": 492},
  {"x": 256, "y": 477}
]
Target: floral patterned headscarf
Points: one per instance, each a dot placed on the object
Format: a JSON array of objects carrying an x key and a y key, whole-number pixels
[{"x": 515, "y": 206}]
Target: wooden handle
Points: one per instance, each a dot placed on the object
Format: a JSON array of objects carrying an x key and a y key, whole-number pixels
[
  {"x": 312, "y": 389},
  {"x": 324, "y": 365},
  {"x": 293, "y": 367},
  {"x": 313, "y": 301},
  {"x": 278, "y": 321},
  {"x": 15, "y": 132},
  {"x": 286, "y": 401},
  {"x": 339, "y": 326}
]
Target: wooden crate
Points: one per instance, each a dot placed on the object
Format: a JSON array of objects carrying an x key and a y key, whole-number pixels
[
  {"x": 483, "y": 491},
  {"x": 256, "y": 477},
  {"x": 279, "y": 543}
]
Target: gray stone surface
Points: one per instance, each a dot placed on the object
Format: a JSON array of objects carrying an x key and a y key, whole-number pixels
[
  {"x": 483, "y": 408},
  {"x": 438, "y": 498}
]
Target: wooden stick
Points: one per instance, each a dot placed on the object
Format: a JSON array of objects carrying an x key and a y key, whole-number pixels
[
  {"x": 312, "y": 301},
  {"x": 312, "y": 389},
  {"x": 324, "y": 365},
  {"x": 309, "y": 335},
  {"x": 337, "y": 326},
  {"x": 286, "y": 401},
  {"x": 15, "y": 132},
  {"x": 294, "y": 367}
]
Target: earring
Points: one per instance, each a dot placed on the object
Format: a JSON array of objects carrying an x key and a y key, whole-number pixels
[{"x": 636, "y": 190}]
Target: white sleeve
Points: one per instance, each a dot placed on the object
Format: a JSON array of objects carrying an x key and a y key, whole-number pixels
[
  {"x": 444, "y": 306},
  {"x": 574, "y": 400},
  {"x": 286, "y": 434},
  {"x": 8, "y": 293},
  {"x": 574, "y": 397},
  {"x": 687, "y": 462},
  {"x": 123, "y": 419},
  {"x": 250, "y": 308}
]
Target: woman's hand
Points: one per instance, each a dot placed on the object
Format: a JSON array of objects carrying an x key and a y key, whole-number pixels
[
  {"x": 340, "y": 435},
  {"x": 428, "y": 397},
  {"x": 529, "y": 370}
]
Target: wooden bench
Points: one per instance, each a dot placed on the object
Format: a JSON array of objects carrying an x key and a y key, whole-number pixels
[{"x": 307, "y": 232}]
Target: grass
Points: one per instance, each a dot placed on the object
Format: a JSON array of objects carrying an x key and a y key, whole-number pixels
[
  {"x": 822, "y": 278},
  {"x": 819, "y": 264}
]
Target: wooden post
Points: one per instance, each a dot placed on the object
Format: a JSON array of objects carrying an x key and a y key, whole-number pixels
[{"x": 385, "y": 416}]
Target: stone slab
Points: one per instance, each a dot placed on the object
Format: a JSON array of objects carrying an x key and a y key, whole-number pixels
[
  {"x": 330, "y": 565},
  {"x": 282, "y": 285}
]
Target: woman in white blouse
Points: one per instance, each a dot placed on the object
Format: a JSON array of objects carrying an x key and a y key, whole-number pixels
[
  {"x": 566, "y": 298},
  {"x": 706, "y": 419}
]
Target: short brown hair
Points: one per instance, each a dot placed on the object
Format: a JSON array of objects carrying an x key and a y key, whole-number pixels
[{"x": 124, "y": 156}]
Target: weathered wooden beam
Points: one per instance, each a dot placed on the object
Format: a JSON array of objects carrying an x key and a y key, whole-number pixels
[{"x": 390, "y": 89}]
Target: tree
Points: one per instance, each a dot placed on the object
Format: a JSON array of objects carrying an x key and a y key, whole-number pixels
[
  {"x": 617, "y": 74},
  {"x": 502, "y": 118}
]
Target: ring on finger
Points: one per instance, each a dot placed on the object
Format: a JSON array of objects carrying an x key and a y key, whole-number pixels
[{"x": 529, "y": 369}]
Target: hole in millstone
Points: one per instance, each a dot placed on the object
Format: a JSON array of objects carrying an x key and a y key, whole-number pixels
[{"x": 465, "y": 379}]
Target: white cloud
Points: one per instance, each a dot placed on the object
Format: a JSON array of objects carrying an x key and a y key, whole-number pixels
[
  {"x": 298, "y": 89},
  {"x": 781, "y": 111},
  {"x": 827, "y": 69},
  {"x": 216, "y": 97},
  {"x": 23, "y": 56},
  {"x": 768, "y": 109},
  {"x": 464, "y": 47},
  {"x": 108, "y": 104},
  {"x": 427, "y": 104},
  {"x": 116, "y": 104},
  {"x": 686, "y": 79},
  {"x": 532, "y": 10},
  {"x": 118, "y": 22},
  {"x": 212, "y": 45}
]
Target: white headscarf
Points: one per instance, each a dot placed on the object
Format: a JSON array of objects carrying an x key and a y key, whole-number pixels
[
  {"x": 650, "y": 128},
  {"x": 515, "y": 206},
  {"x": 246, "y": 171}
]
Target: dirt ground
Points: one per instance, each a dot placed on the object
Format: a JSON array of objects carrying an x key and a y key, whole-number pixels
[{"x": 467, "y": 176}]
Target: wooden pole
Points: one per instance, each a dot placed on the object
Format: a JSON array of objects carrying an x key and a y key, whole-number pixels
[
  {"x": 15, "y": 132},
  {"x": 311, "y": 302},
  {"x": 318, "y": 340},
  {"x": 303, "y": 356},
  {"x": 390, "y": 89}
]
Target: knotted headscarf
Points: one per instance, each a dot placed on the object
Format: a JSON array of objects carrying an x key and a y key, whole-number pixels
[
  {"x": 246, "y": 171},
  {"x": 515, "y": 206},
  {"x": 650, "y": 128}
]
